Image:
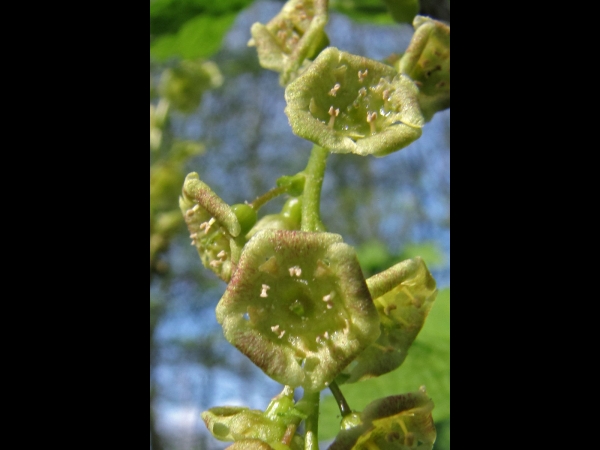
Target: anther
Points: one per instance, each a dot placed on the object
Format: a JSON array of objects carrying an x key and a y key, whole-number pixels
[
  {"x": 333, "y": 91},
  {"x": 281, "y": 334},
  {"x": 193, "y": 235},
  {"x": 297, "y": 271},
  {"x": 275, "y": 329},
  {"x": 385, "y": 95},
  {"x": 221, "y": 254},
  {"x": 265, "y": 288},
  {"x": 329, "y": 305},
  {"x": 347, "y": 327},
  {"x": 362, "y": 75},
  {"x": 389, "y": 308},
  {"x": 215, "y": 263},
  {"x": 333, "y": 113},
  {"x": 362, "y": 92}
]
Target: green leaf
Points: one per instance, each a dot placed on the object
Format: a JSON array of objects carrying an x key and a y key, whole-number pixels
[
  {"x": 429, "y": 251},
  {"x": 167, "y": 16},
  {"x": 403, "y": 11},
  {"x": 427, "y": 363},
  {"x": 368, "y": 11},
  {"x": 199, "y": 37}
]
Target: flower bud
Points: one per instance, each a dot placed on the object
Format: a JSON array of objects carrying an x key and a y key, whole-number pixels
[{"x": 246, "y": 216}]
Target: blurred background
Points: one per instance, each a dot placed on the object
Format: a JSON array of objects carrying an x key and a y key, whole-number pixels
[{"x": 215, "y": 111}]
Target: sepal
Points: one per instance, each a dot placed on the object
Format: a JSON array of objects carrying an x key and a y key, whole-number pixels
[
  {"x": 212, "y": 224},
  {"x": 403, "y": 296}
]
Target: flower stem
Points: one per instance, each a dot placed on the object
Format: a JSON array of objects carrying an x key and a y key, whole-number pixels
[
  {"x": 311, "y": 200},
  {"x": 267, "y": 196},
  {"x": 311, "y": 440},
  {"x": 339, "y": 398}
]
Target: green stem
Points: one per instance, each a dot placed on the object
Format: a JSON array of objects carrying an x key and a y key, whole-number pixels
[
  {"x": 339, "y": 398},
  {"x": 270, "y": 195},
  {"x": 311, "y": 199},
  {"x": 311, "y": 439}
]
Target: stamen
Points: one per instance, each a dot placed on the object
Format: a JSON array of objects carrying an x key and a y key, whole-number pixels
[
  {"x": 371, "y": 116},
  {"x": 265, "y": 288},
  {"x": 333, "y": 91}
]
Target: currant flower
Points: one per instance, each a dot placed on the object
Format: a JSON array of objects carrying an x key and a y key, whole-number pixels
[
  {"x": 351, "y": 104},
  {"x": 254, "y": 429},
  {"x": 292, "y": 37},
  {"x": 212, "y": 224},
  {"x": 399, "y": 422},
  {"x": 403, "y": 295},
  {"x": 298, "y": 306},
  {"x": 427, "y": 62}
]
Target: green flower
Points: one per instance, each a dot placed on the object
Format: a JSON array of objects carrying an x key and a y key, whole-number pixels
[
  {"x": 291, "y": 37},
  {"x": 403, "y": 294},
  {"x": 254, "y": 429},
  {"x": 427, "y": 62},
  {"x": 298, "y": 307},
  {"x": 184, "y": 84},
  {"x": 399, "y": 422},
  {"x": 212, "y": 224},
  {"x": 351, "y": 104}
]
